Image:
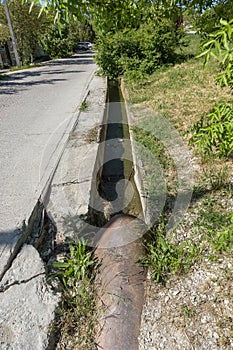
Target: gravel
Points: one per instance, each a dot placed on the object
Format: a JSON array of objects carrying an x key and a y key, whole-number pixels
[{"x": 192, "y": 311}]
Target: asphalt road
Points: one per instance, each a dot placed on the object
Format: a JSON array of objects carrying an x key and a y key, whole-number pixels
[{"x": 38, "y": 108}]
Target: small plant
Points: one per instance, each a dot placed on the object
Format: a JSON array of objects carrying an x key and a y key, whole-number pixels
[
  {"x": 77, "y": 313},
  {"x": 83, "y": 106},
  {"x": 214, "y": 179},
  {"x": 217, "y": 179},
  {"x": 77, "y": 265},
  {"x": 92, "y": 134},
  {"x": 72, "y": 135},
  {"x": 165, "y": 258},
  {"x": 222, "y": 240},
  {"x": 187, "y": 311},
  {"x": 213, "y": 133}
]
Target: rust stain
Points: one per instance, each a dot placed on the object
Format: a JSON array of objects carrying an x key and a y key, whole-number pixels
[{"x": 120, "y": 283}]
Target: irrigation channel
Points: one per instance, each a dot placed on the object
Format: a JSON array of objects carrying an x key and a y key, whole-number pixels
[{"x": 119, "y": 243}]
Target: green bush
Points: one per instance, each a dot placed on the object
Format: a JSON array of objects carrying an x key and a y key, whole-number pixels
[
  {"x": 213, "y": 133},
  {"x": 137, "y": 52},
  {"x": 60, "y": 42}
]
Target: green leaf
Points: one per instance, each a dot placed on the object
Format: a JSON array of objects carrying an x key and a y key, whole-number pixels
[{"x": 203, "y": 53}]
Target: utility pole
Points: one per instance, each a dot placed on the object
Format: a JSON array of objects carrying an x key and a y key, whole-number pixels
[{"x": 18, "y": 63}]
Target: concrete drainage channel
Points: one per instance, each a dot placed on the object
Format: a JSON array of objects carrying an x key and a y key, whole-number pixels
[{"x": 107, "y": 192}]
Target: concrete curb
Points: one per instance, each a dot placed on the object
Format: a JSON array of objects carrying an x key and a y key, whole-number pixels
[{"x": 138, "y": 177}]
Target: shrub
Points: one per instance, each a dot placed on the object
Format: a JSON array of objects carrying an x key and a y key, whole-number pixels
[
  {"x": 219, "y": 45},
  {"x": 60, "y": 42},
  {"x": 213, "y": 133},
  {"x": 138, "y": 50}
]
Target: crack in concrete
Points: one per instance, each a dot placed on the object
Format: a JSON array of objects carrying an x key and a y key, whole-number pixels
[
  {"x": 68, "y": 183},
  {"x": 3, "y": 288}
]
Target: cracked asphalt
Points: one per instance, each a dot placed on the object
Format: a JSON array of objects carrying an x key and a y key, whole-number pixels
[{"x": 38, "y": 108}]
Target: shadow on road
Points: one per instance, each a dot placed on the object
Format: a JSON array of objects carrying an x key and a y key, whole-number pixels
[{"x": 24, "y": 79}]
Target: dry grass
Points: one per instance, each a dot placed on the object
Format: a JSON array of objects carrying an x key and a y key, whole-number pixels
[
  {"x": 182, "y": 93},
  {"x": 92, "y": 134}
]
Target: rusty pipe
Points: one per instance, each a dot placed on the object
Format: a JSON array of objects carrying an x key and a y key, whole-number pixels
[{"x": 120, "y": 282}]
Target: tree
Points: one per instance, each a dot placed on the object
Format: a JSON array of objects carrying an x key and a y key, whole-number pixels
[
  {"x": 62, "y": 41},
  {"x": 208, "y": 21},
  {"x": 27, "y": 26}
]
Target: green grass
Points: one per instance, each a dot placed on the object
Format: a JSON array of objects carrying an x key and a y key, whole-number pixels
[
  {"x": 25, "y": 66},
  {"x": 166, "y": 257}
]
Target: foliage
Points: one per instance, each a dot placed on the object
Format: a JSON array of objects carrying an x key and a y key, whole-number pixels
[
  {"x": 142, "y": 50},
  {"x": 59, "y": 42},
  {"x": 222, "y": 241},
  {"x": 220, "y": 46},
  {"x": 4, "y": 33},
  {"x": 77, "y": 266},
  {"x": 33, "y": 31},
  {"x": 85, "y": 31},
  {"x": 213, "y": 133},
  {"x": 27, "y": 28},
  {"x": 76, "y": 316},
  {"x": 126, "y": 13},
  {"x": 165, "y": 257},
  {"x": 208, "y": 21}
]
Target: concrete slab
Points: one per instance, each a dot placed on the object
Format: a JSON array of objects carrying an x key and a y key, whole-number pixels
[
  {"x": 39, "y": 107},
  {"x": 71, "y": 186},
  {"x": 27, "y": 303}
]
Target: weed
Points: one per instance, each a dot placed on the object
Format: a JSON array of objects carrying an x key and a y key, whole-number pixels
[
  {"x": 222, "y": 240},
  {"x": 76, "y": 316},
  {"x": 153, "y": 145},
  {"x": 72, "y": 135},
  {"x": 187, "y": 311},
  {"x": 210, "y": 216},
  {"x": 217, "y": 179},
  {"x": 84, "y": 106},
  {"x": 77, "y": 265},
  {"x": 165, "y": 258}
]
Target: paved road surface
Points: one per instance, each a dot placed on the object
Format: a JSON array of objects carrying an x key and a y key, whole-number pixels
[{"x": 38, "y": 108}]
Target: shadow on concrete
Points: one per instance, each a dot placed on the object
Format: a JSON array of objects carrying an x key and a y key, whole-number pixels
[{"x": 8, "y": 237}]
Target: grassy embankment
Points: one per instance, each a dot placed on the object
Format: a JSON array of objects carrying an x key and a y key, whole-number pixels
[{"x": 182, "y": 94}]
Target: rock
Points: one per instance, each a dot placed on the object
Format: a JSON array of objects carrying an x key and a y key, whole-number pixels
[{"x": 27, "y": 303}]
